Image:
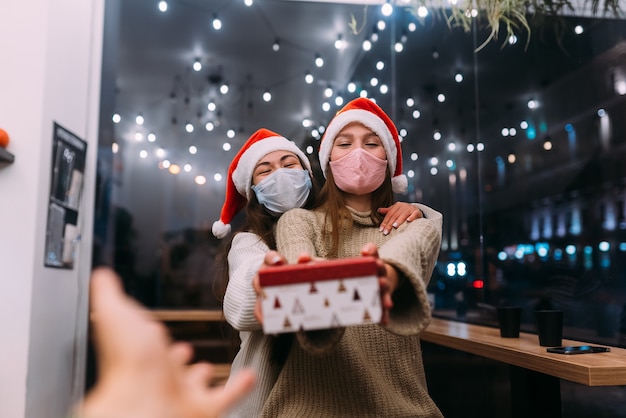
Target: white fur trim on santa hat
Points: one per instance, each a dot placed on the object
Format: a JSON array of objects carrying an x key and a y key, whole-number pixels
[
  {"x": 400, "y": 184},
  {"x": 220, "y": 230},
  {"x": 377, "y": 125},
  {"x": 242, "y": 176}
]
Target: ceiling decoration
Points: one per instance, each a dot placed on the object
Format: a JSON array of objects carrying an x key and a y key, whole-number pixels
[{"x": 172, "y": 68}]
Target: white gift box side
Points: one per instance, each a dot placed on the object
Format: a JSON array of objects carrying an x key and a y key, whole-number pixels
[{"x": 320, "y": 295}]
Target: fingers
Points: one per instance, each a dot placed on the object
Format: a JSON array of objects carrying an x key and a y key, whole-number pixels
[
  {"x": 386, "y": 300},
  {"x": 369, "y": 249},
  {"x": 112, "y": 311},
  {"x": 304, "y": 258},
  {"x": 397, "y": 214},
  {"x": 258, "y": 312},
  {"x": 181, "y": 353},
  {"x": 273, "y": 258},
  {"x": 222, "y": 398},
  {"x": 199, "y": 374},
  {"x": 105, "y": 288}
]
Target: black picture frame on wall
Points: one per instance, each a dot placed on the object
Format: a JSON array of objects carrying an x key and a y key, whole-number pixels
[{"x": 66, "y": 185}]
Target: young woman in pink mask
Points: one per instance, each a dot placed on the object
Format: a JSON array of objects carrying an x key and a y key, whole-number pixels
[
  {"x": 368, "y": 370},
  {"x": 268, "y": 176}
]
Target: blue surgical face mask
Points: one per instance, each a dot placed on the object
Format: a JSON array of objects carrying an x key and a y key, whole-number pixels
[{"x": 284, "y": 189}]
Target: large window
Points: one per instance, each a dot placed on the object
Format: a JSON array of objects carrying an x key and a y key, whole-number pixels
[{"x": 520, "y": 145}]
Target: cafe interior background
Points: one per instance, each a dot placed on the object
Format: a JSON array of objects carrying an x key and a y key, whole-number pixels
[{"x": 519, "y": 140}]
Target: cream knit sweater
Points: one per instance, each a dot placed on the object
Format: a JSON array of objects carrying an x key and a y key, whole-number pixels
[
  {"x": 371, "y": 371},
  {"x": 244, "y": 259}
]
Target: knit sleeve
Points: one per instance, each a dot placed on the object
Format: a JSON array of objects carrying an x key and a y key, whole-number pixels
[
  {"x": 244, "y": 260},
  {"x": 296, "y": 234},
  {"x": 413, "y": 253}
]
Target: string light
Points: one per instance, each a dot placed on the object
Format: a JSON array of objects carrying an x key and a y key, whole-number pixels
[
  {"x": 197, "y": 65},
  {"x": 217, "y": 23},
  {"x": 339, "y": 42},
  {"x": 319, "y": 61},
  {"x": 386, "y": 9}
]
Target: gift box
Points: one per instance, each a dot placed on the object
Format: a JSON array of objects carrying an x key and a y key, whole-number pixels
[{"x": 320, "y": 295}]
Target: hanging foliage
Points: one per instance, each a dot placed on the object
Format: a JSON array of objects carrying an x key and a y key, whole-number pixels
[{"x": 509, "y": 16}]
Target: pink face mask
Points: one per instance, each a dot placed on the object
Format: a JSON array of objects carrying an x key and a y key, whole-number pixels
[{"x": 358, "y": 172}]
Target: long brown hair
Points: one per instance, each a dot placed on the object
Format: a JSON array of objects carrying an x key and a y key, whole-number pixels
[
  {"x": 260, "y": 222},
  {"x": 338, "y": 216}
]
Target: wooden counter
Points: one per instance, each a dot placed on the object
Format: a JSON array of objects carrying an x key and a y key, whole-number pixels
[
  {"x": 189, "y": 315},
  {"x": 598, "y": 369}
]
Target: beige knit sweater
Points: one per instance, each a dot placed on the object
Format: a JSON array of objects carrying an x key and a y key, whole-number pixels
[{"x": 363, "y": 371}]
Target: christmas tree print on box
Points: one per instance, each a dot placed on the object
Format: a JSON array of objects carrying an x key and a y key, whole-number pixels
[{"x": 320, "y": 295}]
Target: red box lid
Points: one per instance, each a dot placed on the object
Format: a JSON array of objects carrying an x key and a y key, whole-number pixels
[{"x": 318, "y": 270}]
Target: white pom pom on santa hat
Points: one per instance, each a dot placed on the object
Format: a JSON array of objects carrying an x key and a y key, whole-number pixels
[{"x": 220, "y": 230}]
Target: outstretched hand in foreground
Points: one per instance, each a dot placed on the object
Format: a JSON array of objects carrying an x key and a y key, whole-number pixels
[{"x": 142, "y": 373}]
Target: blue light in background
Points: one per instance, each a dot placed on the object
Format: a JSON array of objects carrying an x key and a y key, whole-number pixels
[
  {"x": 461, "y": 269},
  {"x": 542, "y": 249},
  {"x": 451, "y": 269},
  {"x": 558, "y": 254},
  {"x": 587, "y": 260}
]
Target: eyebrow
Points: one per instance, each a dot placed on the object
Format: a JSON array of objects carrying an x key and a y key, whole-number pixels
[
  {"x": 350, "y": 135},
  {"x": 283, "y": 158}
]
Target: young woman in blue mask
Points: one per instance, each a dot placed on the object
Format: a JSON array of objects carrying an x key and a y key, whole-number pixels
[
  {"x": 369, "y": 370},
  {"x": 267, "y": 177}
]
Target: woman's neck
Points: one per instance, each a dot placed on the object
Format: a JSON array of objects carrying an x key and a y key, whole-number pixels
[{"x": 360, "y": 203}]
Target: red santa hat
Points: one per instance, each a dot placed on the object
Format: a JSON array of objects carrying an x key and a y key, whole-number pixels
[
  {"x": 368, "y": 113},
  {"x": 239, "y": 181}
]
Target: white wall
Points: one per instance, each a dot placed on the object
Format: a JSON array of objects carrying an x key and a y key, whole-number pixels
[{"x": 50, "y": 72}]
